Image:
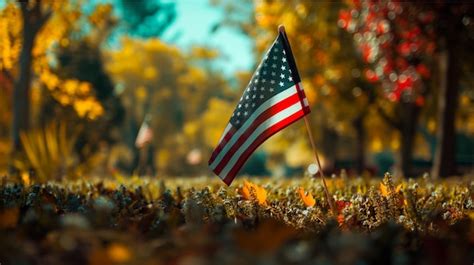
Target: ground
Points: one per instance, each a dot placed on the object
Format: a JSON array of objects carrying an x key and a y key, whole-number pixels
[{"x": 255, "y": 221}]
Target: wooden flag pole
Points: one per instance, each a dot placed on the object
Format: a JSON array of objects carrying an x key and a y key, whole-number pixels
[
  {"x": 320, "y": 168},
  {"x": 281, "y": 29}
]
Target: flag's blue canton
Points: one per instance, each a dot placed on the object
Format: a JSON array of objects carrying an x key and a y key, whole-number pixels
[{"x": 272, "y": 76}]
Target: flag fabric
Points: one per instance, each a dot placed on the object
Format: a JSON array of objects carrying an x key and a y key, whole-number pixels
[
  {"x": 145, "y": 134},
  {"x": 273, "y": 99}
]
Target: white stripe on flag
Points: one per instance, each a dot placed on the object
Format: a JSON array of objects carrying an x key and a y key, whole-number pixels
[
  {"x": 305, "y": 101},
  {"x": 263, "y": 126},
  {"x": 267, "y": 104},
  {"x": 227, "y": 128}
]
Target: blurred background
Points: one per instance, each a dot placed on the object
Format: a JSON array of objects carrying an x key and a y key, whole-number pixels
[{"x": 391, "y": 85}]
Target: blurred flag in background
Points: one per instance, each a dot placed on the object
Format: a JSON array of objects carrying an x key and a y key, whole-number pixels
[{"x": 145, "y": 134}]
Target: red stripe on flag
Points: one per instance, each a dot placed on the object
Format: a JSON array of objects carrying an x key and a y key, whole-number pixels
[
  {"x": 260, "y": 139},
  {"x": 222, "y": 143},
  {"x": 302, "y": 97},
  {"x": 283, "y": 104}
]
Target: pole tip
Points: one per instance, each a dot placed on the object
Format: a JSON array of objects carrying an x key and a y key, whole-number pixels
[{"x": 281, "y": 28}]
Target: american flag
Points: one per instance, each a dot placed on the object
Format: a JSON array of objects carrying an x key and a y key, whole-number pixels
[
  {"x": 145, "y": 134},
  {"x": 273, "y": 99}
]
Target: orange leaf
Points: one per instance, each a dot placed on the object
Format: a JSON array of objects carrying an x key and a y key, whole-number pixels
[
  {"x": 250, "y": 190},
  {"x": 384, "y": 190},
  {"x": 340, "y": 219},
  {"x": 307, "y": 199},
  {"x": 261, "y": 194},
  {"x": 245, "y": 190},
  {"x": 398, "y": 188}
]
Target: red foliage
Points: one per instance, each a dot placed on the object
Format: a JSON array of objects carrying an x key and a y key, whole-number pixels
[
  {"x": 371, "y": 76},
  {"x": 340, "y": 205},
  {"x": 344, "y": 19},
  {"x": 423, "y": 71},
  {"x": 396, "y": 40}
]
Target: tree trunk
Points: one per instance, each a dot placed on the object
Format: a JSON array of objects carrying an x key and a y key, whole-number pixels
[
  {"x": 360, "y": 144},
  {"x": 409, "y": 117},
  {"x": 329, "y": 149},
  {"x": 21, "y": 92},
  {"x": 34, "y": 17},
  {"x": 444, "y": 163}
]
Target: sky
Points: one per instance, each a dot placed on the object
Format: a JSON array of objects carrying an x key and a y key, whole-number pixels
[{"x": 193, "y": 27}]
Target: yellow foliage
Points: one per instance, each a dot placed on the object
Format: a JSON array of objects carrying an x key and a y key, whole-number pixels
[
  {"x": 310, "y": 92},
  {"x": 184, "y": 98},
  {"x": 49, "y": 151},
  {"x": 150, "y": 73},
  {"x": 298, "y": 153},
  {"x": 10, "y": 30},
  {"x": 70, "y": 86},
  {"x": 25, "y": 178},
  {"x": 395, "y": 143},
  {"x": 163, "y": 157},
  {"x": 385, "y": 191},
  {"x": 191, "y": 129},
  {"x": 88, "y": 107},
  {"x": 101, "y": 11},
  {"x": 57, "y": 29},
  {"x": 212, "y": 118},
  {"x": 204, "y": 53},
  {"x": 141, "y": 93},
  {"x": 376, "y": 145}
]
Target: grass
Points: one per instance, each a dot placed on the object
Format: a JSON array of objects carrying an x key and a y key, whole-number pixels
[{"x": 256, "y": 220}]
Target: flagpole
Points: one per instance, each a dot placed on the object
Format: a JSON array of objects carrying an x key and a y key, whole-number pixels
[
  {"x": 281, "y": 29},
  {"x": 321, "y": 173}
]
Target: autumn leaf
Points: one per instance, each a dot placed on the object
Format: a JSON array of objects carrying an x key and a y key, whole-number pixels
[
  {"x": 250, "y": 191},
  {"x": 384, "y": 190},
  {"x": 306, "y": 198},
  {"x": 340, "y": 205},
  {"x": 340, "y": 219},
  {"x": 261, "y": 195},
  {"x": 245, "y": 190}
]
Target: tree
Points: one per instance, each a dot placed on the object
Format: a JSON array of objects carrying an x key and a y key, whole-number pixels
[
  {"x": 331, "y": 79},
  {"x": 396, "y": 48},
  {"x": 32, "y": 33},
  {"x": 82, "y": 61},
  {"x": 34, "y": 16},
  {"x": 158, "y": 79},
  {"x": 398, "y": 42},
  {"x": 455, "y": 34}
]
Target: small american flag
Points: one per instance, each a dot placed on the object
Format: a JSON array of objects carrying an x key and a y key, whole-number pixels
[
  {"x": 145, "y": 134},
  {"x": 273, "y": 100}
]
